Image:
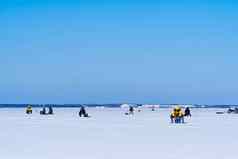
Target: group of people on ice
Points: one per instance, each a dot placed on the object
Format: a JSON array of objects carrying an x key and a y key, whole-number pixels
[
  {"x": 50, "y": 111},
  {"x": 82, "y": 112},
  {"x": 177, "y": 115},
  {"x": 42, "y": 112}
]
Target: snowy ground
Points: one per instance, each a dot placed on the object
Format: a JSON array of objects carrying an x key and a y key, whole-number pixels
[{"x": 110, "y": 134}]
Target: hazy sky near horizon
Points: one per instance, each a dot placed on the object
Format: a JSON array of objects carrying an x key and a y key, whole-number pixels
[{"x": 104, "y": 51}]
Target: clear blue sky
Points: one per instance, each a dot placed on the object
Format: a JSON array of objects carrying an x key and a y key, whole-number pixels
[{"x": 112, "y": 51}]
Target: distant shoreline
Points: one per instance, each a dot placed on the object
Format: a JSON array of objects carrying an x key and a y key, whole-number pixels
[{"x": 110, "y": 105}]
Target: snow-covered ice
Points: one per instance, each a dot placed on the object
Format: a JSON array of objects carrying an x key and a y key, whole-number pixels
[{"x": 110, "y": 134}]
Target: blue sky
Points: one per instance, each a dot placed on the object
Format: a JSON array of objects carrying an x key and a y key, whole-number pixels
[{"x": 144, "y": 51}]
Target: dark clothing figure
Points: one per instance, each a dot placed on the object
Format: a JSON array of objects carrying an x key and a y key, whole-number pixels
[
  {"x": 236, "y": 110},
  {"x": 171, "y": 118},
  {"x": 43, "y": 111},
  {"x": 187, "y": 112},
  {"x": 230, "y": 110},
  {"x": 131, "y": 110},
  {"x": 82, "y": 112},
  {"x": 50, "y": 110}
]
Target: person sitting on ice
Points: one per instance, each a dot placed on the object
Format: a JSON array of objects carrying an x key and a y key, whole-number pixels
[
  {"x": 177, "y": 115},
  {"x": 236, "y": 110},
  {"x": 29, "y": 110},
  {"x": 187, "y": 112},
  {"x": 50, "y": 110},
  {"x": 43, "y": 111},
  {"x": 131, "y": 110},
  {"x": 82, "y": 112}
]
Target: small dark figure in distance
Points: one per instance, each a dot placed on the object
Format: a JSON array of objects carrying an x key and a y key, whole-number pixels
[
  {"x": 50, "y": 110},
  {"x": 43, "y": 111},
  {"x": 236, "y": 110},
  {"x": 187, "y": 112},
  {"x": 131, "y": 110},
  {"x": 82, "y": 112}
]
